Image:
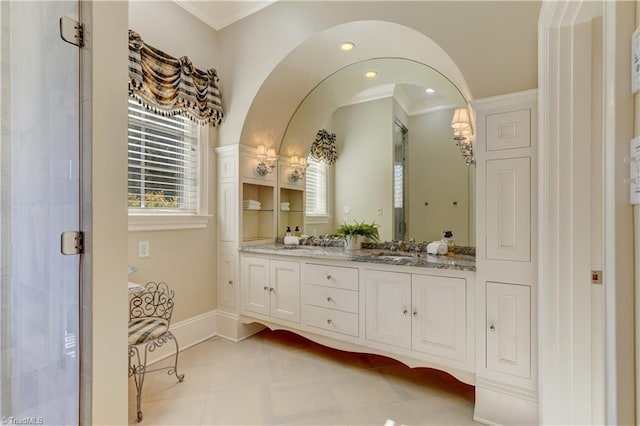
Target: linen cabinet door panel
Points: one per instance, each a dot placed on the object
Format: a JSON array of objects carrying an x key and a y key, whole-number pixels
[
  {"x": 285, "y": 290},
  {"x": 439, "y": 316},
  {"x": 255, "y": 285},
  {"x": 509, "y": 130},
  {"x": 388, "y": 308},
  {"x": 227, "y": 212},
  {"x": 227, "y": 280},
  {"x": 508, "y": 209},
  {"x": 509, "y": 329}
]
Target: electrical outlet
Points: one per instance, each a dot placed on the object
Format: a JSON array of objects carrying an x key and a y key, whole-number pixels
[{"x": 143, "y": 249}]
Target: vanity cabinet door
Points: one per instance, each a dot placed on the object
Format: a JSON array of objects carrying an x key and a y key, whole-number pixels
[
  {"x": 388, "y": 308},
  {"x": 255, "y": 285},
  {"x": 285, "y": 290},
  {"x": 509, "y": 329},
  {"x": 439, "y": 316}
]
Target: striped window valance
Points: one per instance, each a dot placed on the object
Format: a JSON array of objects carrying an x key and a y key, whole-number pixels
[
  {"x": 324, "y": 147},
  {"x": 170, "y": 86}
]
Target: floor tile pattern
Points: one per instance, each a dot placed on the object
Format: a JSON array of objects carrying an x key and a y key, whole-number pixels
[{"x": 279, "y": 378}]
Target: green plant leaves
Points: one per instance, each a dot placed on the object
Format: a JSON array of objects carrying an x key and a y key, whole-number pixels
[{"x": 368, "y": 230}]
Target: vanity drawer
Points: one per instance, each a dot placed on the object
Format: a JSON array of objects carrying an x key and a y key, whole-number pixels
[
  {"x": 331, "y": 298},
  {"x": 332, "y": 276},
  {"x": 330, "y": 319}
]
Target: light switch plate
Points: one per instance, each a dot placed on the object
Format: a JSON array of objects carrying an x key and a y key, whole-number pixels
[{"x": 143, "y": 249}]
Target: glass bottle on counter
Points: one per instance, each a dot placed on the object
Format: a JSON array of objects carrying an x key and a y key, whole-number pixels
[
  {"x": 447, "y": 237},
  {"x": 296, "y": 231}
]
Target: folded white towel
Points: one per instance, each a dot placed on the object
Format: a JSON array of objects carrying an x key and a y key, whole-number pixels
[
  {"x": 437, "y": 247},
  {"x": 251, "y": 204}
]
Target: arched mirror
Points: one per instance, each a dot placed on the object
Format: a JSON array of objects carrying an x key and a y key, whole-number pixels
[{"x": 398, "y": 164}]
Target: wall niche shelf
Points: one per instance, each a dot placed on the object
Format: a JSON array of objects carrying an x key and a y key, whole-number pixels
[
  {"x": 293, "y": 215},
  {"x": 258, "y": 223}
]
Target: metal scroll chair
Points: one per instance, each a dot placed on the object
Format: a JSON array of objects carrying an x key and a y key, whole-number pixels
[{"x": 149, "y": 317}]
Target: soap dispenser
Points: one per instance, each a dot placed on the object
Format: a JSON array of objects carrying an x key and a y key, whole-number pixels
[
  {"x": 447, "y": 237},
  {"x": 288, "y": 232}
]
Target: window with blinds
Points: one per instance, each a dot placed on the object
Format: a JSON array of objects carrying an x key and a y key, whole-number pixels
[
  {"x": 398, "y": 191},
  {"x": 316, "y": 188},
  {"x": 163, "y": 162}
]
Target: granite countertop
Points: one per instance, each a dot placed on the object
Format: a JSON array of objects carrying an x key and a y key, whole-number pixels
[{"x": 461, "y": 262}]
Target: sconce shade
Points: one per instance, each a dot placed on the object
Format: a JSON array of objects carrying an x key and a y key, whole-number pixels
[
  {"x": 262, "y": 151},
  {"x": 460, "y": 118},
  {"x": 303, "y": 162},
  {"x": 294, "y": 160},
  {"x": 271, "y": 154}
]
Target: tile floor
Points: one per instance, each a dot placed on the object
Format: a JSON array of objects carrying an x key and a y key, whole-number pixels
[{"x": 279, "y": 378}]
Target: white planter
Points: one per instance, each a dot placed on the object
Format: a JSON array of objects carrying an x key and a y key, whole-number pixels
[{"x": 353, "y": 242}]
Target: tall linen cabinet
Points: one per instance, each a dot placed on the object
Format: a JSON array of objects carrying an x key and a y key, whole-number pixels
[
  {"x": 506, "y": 259},
  {"x": 238, "y": 224}
]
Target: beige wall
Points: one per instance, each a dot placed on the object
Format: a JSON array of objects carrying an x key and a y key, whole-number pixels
[
  {"x": 107, "y": 238},
  {"x": 364, "y": 168},
  {"x": 170, "y": 28},
  {"x": 184, "y": 259},
  {"x": 432, "y": 155}
]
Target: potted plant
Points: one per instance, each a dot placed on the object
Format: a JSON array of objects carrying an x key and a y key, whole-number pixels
[{"x": 353, "y": 234}]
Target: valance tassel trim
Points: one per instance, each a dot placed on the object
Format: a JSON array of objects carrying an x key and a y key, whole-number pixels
[{"x": 170, "y": 86}]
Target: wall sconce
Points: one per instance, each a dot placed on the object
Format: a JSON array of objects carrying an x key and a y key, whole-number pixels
[
  {"x": 268, "y": 155},
  {"x": 463, "y": 133},
  {"x": 299, "y": 166}
]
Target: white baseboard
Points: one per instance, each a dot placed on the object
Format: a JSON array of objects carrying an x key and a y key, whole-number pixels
[
  {"x": 230, "y": 327},
  {"x": 197, "y": 329},
  {"x": 188, "y": 332},
  {"x": 493, "y": 407}
]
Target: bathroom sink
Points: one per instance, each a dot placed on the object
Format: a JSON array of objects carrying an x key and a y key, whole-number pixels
[{"x": 395, "y": 256}]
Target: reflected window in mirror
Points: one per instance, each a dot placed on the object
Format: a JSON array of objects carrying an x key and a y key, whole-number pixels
[{"x": 316, "y": 189}]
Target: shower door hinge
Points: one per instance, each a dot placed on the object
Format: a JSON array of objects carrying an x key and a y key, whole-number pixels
[
  {"x": 72, "y": 31},
  {"x": 72, "y": 242}
]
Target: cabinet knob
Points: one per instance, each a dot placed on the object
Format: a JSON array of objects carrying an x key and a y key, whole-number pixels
[
  {"x": 492, "y": 327},
  {"x": 230, "y": 282},
  {"x": 265, "y": 288},
  {"x": 415, "y": 313},
  {"x": 329, "y": 299},
  {"x": 329, "y": 321},
  {"x": 405, "y": 312},
  {"x": 329, "y": 277},
  {"x": 272, "y": 289}
]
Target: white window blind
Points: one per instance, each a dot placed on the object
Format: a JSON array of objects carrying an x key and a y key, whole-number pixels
[
  {"x": 398, "y": 177},
  {"x": 163, "y": 162},
  {"x": 316, "y": 188}
]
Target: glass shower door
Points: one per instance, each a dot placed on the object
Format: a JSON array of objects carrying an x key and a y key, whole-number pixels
[{"x": 39, "y": 192}]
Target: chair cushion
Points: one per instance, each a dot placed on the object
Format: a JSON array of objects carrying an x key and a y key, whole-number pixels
[{"x": 142, "y": 330}]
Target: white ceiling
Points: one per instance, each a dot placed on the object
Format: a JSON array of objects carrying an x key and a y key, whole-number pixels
[{"x": 218, "y": 14}]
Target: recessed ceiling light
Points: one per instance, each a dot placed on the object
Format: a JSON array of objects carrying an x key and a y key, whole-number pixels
[
  {"x": 429, "y": 90},
  {"x": 370, "y": 74},
  {"x": 347, "y": 46}
]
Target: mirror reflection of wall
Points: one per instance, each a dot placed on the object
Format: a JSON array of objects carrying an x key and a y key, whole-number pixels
[
  {"x": 438, "y": 185},
  {"x": 437, "y": 182}
]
